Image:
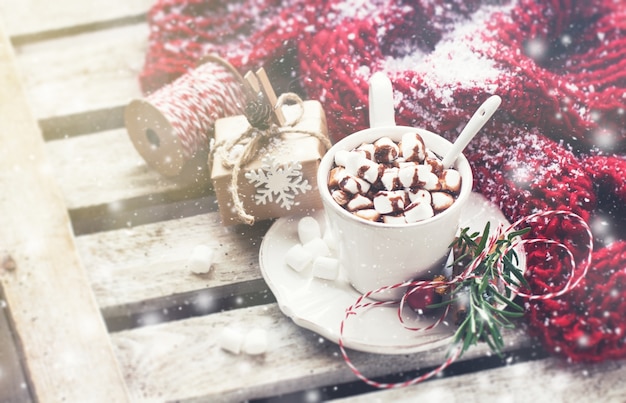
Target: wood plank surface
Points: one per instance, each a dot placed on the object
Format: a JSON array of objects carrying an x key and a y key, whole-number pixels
[
  {"x": 83, "y": 72},
  {"x": 548, "y": 380},
  {"x": 52, "y": 309},
  {"x": 145, "y": 262},
  {"x": 183, "y": 360},
  {"x": 33, "y": 17},
  {"x": 102, "y": 169}
]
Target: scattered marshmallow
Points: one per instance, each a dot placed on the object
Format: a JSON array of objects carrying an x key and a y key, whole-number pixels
[
  {"x": 230, "y": 340},
  {"x": 255, "y": 342},
  {"x": 308, "y": 229},
  {"x": 385, "y": 150},
  {"x": 330, "y": 240},
  {"x": 326, "y": 268},
  {"x": 201, "y": 259},
  {"x": 317, "y": 247},
  {"x": 298, "y": 258}
]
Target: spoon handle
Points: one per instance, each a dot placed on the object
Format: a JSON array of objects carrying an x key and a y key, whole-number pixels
[{"x": 478, "y": 120}]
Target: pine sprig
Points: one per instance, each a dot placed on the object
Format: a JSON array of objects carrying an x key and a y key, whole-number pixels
[{"x": 484, "y": 306}]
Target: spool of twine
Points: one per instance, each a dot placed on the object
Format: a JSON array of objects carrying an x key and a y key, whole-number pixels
[{"x": 175, "y": 123}]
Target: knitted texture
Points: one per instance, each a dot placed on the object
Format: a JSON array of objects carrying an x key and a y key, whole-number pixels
[{"x": 557, "y": 142}]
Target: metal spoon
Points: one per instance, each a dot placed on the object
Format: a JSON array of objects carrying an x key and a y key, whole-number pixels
[{"x": 478, "y": 120}]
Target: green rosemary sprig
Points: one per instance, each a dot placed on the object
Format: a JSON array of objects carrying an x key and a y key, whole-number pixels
[{"x": 483, "y": 305}]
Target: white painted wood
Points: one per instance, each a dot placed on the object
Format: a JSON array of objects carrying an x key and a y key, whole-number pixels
[
  {"x": 183, "y": 360},
  {"x": 30, "y": 17},
  {"x": 105, "y": 168},
  {"x": 67, "y": 352},
  {"x": 131, "y": 265},
  {"x": 548, "y": 380},
  {"x": 83, "y": 72}
]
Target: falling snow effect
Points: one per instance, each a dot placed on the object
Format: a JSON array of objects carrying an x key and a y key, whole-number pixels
[
  {"x": 557, "y": 142},
  {"x": 281, "y": 181}
]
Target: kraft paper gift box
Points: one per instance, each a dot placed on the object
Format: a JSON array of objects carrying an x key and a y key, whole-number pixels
[{"x": 281, "y": 178}]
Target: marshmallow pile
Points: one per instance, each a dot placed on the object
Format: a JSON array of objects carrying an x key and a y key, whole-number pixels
[
  {"x": 391, "y": 182},
  {"x": 234, "y": 341},
  {"x": 314, "y": 250}
]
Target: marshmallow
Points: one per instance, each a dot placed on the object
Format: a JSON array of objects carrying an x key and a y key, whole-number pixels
[
  {"x": 340, "y": 157},
  {"x": 418, "y": 211},
  {"x": 308, "y": 229},
  {"x": 201, "y": 259},
  {"x": 340, "y": 197},
  {"x": 441, "y": 201},
  {"x": 369, "y": 149},
  {"x": 230, "y": 340},
  {"x": 428, "y": 179},
  {"x": 450, "y": 180},
  {"x": 370, "y": 171},
  {"x": 330, "y": 240},
  {"x": 354, "y": 161},
  {"x": 412, "y": 147},
  {"x": 389, "y": 202},
  {"x": 335, "y": 176},
  {"x": 298, "y": 258},
  {"x": 368, "y": 214},
  {"x": 390, "y": 179},
  {"x": 408, "y": 176},
  {"x": 359, "y": 202},
  {"x": 354, "y": 185},
  {"x": 255, "y": 342},
  {"x": 435, "y": 163},
  {"x": 420, "y": 195},
  {"x": 386, "y": 150},
  {"x": 326, "y": 268},
  {"x": 316, "y": 247}
]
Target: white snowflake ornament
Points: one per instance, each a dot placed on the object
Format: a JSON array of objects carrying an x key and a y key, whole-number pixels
[{"x": 283, "y": 181}]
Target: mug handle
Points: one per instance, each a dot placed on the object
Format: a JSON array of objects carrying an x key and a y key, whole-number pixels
[{"x": 381, "y": 111}]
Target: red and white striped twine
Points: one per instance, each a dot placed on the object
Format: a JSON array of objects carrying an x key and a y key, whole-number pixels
[
  {"x": 455, "y": 350},
  {"x": 193, "y": 102}
]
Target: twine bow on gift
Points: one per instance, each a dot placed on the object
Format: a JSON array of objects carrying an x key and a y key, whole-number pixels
[{"x": 238, "y": 152}]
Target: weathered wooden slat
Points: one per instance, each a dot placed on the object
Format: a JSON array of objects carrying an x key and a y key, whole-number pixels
[
  {"x": 548, "y": 380},
  {"x": 61, "y": 335},
  {"x": 142, "y": 263},
  {"x": 36, "y": 17},
  {"x": 84, "y": 72},
  {"x": 183, "y": 360},
  {"x": 105, "y": 168}
]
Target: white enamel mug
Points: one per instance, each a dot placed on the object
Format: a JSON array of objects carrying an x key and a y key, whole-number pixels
[{"x": 375, "y": 254}]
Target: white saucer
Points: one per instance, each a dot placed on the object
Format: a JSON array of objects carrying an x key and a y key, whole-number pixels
[{"x": 319, "y": 305}]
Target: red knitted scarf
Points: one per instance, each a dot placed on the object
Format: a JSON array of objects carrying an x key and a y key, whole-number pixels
[{"x": 558, "y": 141}]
